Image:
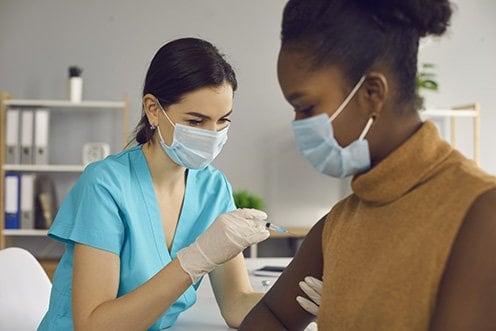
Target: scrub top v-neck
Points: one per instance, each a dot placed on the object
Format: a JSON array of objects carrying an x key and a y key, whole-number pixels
[
  {"x": 152, "y": 206},
  {"x": 113, "y": 207}
]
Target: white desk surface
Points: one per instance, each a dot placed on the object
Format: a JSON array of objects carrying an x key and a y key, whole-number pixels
[{"x": 205, "y": 314}]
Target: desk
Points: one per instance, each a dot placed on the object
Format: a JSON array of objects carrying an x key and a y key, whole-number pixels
[
  {"x": 294, "y": 233},
  {"x": 205, "y": 314}
]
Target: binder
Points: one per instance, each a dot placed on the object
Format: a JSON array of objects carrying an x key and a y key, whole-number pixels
[
  {"x": 45, "y": 202},
  {"x": 41, "y": 125},
  {"x": 12, "y": 137},
  {"x": 27, "y": 201},
  {"x": 12, "y": 187},
  {"x": 27, "y": 119}
]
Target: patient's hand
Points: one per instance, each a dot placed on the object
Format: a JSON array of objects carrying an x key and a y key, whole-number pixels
[{"x": 313, "y": 289}]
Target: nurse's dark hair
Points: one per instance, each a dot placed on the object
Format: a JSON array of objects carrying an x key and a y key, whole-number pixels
[
  {"x": 356, "y": 34},
  {"x": 182, "y": 66}
]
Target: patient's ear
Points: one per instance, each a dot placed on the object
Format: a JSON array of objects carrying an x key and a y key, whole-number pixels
[{"x": 374, "y": 93}]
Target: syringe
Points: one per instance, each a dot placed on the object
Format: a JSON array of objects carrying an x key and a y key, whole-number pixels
[{"x": 274, "y": 227}]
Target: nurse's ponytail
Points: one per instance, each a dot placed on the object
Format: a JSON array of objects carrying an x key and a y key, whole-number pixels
[{"x": 179, "y": 67}]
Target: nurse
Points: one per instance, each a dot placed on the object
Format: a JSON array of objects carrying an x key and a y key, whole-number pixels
[
  {"x": 142, "y": 227},
  {"x": 412, "y": 248}
]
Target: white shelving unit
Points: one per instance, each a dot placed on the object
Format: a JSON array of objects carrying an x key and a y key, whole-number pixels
[
  {"x": 66, "y": 105},
  {"x": 62, "y": 108},
  {"x": 468, "y": 111},
  {"x": 450, "y": 113},
  {"x": 44, "y": 168},
  {"x": 25, "y": 233}
]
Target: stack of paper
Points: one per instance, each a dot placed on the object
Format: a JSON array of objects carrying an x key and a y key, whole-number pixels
[{"x": 268, "y": 271}]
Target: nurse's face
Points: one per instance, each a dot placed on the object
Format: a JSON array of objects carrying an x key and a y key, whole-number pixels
[
  {"x": 313, "y": 91},
  {"x": 207, "y": 108}
]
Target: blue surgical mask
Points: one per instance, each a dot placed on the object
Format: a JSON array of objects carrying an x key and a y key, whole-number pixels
[
  {"x": 191, "y": 147},
  {"x": 316, "y": 142}
]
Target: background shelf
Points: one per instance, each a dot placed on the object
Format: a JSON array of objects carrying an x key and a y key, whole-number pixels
[
  {"x": 70, "y": 126},
  {"x": 95, "y": 105},
  {"x": 44, "y": 168},
  {"x": 450, "y": 113},
  {"x": 25, "y": 232}
]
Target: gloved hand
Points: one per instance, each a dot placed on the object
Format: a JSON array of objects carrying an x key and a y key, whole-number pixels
[
  {"x": 228, "y": 236},
  {"x": 312, "y": 327},
  {"x": 312, "y": 287}
]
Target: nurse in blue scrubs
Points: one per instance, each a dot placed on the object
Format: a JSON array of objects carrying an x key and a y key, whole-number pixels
[{"x": 143, "y": 226}]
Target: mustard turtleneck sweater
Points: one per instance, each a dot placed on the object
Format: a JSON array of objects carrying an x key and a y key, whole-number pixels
[{"x": 385, "y": 246}]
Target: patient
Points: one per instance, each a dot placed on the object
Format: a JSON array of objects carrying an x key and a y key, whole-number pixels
[{"x": 412, "y": 248}]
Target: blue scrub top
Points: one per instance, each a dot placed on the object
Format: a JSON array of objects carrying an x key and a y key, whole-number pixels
[{"x": 113, "y": 207}]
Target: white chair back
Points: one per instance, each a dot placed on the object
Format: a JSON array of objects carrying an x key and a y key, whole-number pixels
[{"x": 24, "y": 290}]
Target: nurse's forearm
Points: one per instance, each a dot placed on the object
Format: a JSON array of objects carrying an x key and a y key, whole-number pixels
[
  {"x": 139, "y": 309},
  {"x": 235, "y": 313}
]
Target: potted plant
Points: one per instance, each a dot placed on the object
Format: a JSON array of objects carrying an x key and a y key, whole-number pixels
[
  {"x": 425, "y": 81},
  {"x": 246, "y": 199}
]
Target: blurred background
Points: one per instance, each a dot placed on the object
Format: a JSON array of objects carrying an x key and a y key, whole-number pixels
[{"x": 114, "y": 41}]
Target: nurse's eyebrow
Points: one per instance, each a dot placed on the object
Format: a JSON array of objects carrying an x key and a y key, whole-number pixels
[
  {"x": 203, "y": 116},
  {"x": 226, "y": 115}
]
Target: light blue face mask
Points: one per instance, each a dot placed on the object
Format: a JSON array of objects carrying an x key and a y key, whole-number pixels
[
  {"x": 315, "y": 140},
  {"x": 191, "y": 147}
]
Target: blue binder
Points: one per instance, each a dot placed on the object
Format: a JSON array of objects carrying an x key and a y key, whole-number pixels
[{"x": 12, "y": 201}]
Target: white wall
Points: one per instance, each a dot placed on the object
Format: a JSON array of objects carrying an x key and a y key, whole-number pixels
[
  {"x": 466, "y": 71},
  {"x": 114, "y": 41}
]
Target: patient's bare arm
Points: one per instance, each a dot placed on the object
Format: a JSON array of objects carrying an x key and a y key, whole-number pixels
[{"x": 278, "y": 309}]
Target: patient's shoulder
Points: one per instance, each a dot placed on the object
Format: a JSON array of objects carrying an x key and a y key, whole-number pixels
[{"x": 469, "y": 279}]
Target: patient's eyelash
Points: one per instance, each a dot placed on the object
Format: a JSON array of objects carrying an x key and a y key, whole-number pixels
[{"x": 307, "y": 111}]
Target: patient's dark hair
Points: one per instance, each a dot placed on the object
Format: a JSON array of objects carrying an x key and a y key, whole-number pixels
[
  {"x": 179, "y": 67},
  {"x": 356, "y": 34}
]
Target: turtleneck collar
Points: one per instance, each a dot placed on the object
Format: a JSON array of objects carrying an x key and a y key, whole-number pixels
[{"x": 407, "y": 166}]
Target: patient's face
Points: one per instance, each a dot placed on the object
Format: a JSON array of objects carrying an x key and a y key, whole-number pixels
[{"x": 313, "y": 91}]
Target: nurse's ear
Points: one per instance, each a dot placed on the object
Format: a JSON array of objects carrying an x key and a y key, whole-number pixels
[
  {"x": 374, "y": 93},
  {"x": 151, "y": 108}
]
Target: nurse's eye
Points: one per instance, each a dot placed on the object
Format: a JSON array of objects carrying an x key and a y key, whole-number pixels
[
  {"x": 224, "y": 120},
  {"x": 195, "y": 122}
]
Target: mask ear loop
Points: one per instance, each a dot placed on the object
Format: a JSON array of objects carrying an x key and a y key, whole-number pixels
[
  {"x": 166, "y": 116},
  {"x": 157, "y": 126},
  {"x": 367, "y": 127},
  {"x": 347, "y": 99},
  {"x": 160, "y": 135}
]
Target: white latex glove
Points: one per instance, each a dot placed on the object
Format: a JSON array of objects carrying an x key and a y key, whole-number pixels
[
  {"x": 228, "y": 236},
  {"x": 312, "y": 327},
  {"x": 313, "y": 289}
]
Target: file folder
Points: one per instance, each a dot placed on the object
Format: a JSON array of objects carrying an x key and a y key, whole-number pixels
[
  {"x": 27, "y": 119},
  {"x": 12, "y": 187},
  {"x": 27, "y": 201},
  {"x": 45, "y": 203},
  {"x": 13, "y": 149},
  {"x": 41, "y": 125}
]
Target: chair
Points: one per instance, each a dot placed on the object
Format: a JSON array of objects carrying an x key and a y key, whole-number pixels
[{"x": 24, "y": 290}]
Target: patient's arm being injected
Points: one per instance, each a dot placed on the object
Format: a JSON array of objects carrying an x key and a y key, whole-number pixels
[{"x": 278, "y": 309}]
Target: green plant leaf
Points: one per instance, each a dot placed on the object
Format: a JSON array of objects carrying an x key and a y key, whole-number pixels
[
  {"x": 426, "y": 78},
  {"x": 429, "y": 85},
  {"x": 246, "y": 199}
]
